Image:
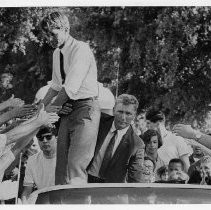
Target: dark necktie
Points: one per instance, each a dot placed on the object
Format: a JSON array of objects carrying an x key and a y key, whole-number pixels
[
  {"x": 62, "y": 67},
  {"x": 107, "y": 156}
]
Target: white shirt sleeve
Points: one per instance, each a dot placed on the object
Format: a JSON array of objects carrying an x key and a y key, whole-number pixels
[
  {"x": 79, "y": 65},
  {"x": 28, "y": 179},
  {"x": 182, "y": 147}
]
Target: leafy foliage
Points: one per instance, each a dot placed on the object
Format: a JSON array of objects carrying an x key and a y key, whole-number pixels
[{"x": 162, "y": 53}]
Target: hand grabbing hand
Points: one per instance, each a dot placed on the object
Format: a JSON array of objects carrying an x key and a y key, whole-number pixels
[
  {"x": 45, "y": 118},
  {"x": 24, "y": 111},
  {"x": 52, "y": 108},
  {"x": 66, "y": 109}
]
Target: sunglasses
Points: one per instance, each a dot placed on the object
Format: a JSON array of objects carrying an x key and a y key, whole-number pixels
[{"x": 47, "y": 137}]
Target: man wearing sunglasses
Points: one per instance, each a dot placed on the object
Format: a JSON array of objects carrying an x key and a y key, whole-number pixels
[{"x": 40, "y": 168}]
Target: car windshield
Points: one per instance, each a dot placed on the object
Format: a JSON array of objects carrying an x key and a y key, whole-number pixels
[{"x": 124, "y": 194}]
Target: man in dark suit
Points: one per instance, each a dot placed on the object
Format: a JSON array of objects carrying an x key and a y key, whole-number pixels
[{"x": 119, "y": 152}]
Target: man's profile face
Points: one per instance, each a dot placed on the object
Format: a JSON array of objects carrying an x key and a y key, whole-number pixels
[
  {"x": 123, "y": 115},
  {"x": 56, "y": 37}
]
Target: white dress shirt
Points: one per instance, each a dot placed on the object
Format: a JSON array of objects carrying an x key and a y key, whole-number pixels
[
  {"x": 80, "y": 70},
  {"x": 95, "y": 167},
  {"x": 173, "y": 147}
]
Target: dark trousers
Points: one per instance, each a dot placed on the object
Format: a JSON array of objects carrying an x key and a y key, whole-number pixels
[{"x": 76, "y": 141}]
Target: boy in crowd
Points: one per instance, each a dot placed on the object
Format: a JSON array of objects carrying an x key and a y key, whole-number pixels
[
  {"x": 40, "y": 168},
  {"x": 176, "y": 171}
]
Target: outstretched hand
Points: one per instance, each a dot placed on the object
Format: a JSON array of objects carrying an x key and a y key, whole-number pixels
[
  {"x": 14, "y": 102},
  {"x": 186, "y": 131},
  {"x": 24, "y": 111},
  {"x": 45, "y": 118},
  {"x": 52, "y": 108}
]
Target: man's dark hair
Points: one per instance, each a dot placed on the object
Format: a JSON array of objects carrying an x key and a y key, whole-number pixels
[
  {"x": 147, "y": 135},
  {"x": 148, "y": 158},
  {"x": 177, "y": 160},
  {"x": 155, "y": 115},
  {"x": 44, "y": 130}
]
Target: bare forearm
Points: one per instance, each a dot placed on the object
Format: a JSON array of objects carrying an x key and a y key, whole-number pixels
[
  {"x": 23, "y": 142},
  {"x": 49, "y": 96},
  {"x": 205, "y": 140},
  {"x": 61, "y": 98},
  {"x": 3, "y": 105},
  {"x": 21, "y": 131}
]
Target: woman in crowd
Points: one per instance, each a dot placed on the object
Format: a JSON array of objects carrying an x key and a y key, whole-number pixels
[{"x": 153, "y": 141}]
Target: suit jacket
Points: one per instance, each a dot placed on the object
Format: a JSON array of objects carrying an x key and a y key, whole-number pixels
[{"x": 127, "y": 161}]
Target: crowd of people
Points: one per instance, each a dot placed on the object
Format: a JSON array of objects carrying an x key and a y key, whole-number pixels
[{"x": 76, "y": 132}]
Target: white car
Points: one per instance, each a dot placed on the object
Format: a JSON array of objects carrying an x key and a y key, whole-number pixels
[{"x": 124, "y": 193}]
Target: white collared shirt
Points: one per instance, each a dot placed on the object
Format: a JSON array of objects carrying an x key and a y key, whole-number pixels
[
  {"x": 95, "y": 167},
  {"x": 80, "y": 70},
  {"x": 173, "y": 147}
]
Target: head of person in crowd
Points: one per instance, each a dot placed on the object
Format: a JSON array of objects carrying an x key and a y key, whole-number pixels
[
  {"x": 140, "y": 124},
  {"x": 125, "y": 109},
  {"x": 56, "y": 29},
  {"x": 155, "y": 119},
  {"x": 107, "y": 82},
  {"x": 176, "y": 170},
  {"x": 148, "y": 170},
  {"x": 197, "y": 151},
  {"x": 163, "y": 173},
  {"x": 152, "y": 141},
  {"x": 47, "y": 140},
  {"x": 205, "y": 169}
]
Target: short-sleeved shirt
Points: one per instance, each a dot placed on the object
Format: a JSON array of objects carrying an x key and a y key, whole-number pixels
[
  {"x": 80, "y": 70},
  {"x": 40, "y": 171},
  {"x": 173, "y": 147}
]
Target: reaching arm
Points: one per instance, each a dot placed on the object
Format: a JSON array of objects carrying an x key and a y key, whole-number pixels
[
  {"x": 11, "y": 102},
  {"x": 25, "y": 129},
  {"x": 186, "y": 131},
  {"x": 17, "y": 112}
]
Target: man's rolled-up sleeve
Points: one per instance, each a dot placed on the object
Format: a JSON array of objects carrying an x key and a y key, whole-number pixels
[{"x": 79, "y": 66}]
